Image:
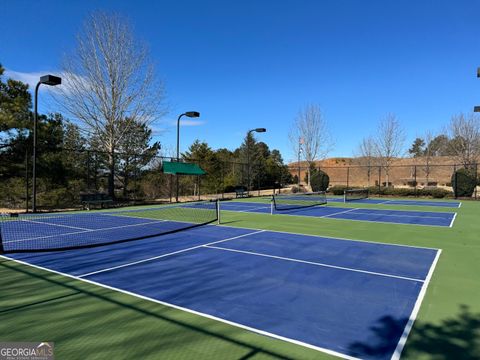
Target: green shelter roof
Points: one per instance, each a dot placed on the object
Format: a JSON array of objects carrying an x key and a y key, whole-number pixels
[{"x": 179, "y": 168}]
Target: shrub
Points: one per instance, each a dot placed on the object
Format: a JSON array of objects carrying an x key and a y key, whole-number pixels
[
  {"x": 337, "y": 189},
  {"x": 464, "y": 182},
  {"x": 12, "y": 193},
  {"x": 319, "y": 180},
  {"x": 437, "y": 193}
]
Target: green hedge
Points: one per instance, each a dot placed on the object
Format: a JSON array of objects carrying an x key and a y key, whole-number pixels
[
  {"x": 437, "y": 193},
  {"x": 464, "y": 182},
  {"x": 319, "y": 180}
]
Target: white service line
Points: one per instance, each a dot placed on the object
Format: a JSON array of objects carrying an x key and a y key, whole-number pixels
[
  {"x": 59, "y": 225},
  {"x": 83, "y": 231},
  {"x": 416, "y": 309},
  {"x": 165, "y": 255},
  {"x": 205, "y": 315},
  {"x": 315, "y": 263},
  {"x": 338, "y": 212}
]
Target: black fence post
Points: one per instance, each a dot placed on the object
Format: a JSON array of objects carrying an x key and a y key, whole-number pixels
[
  {"x": 223, "y": 180},
  {"x": 415, "y": 179},
  {"x": 379, "y": 179},
  {"x": 88, "y": 170},
  {"x": 455, "y": 177},
  {"x": 26, "y": 180},
  {"x": 198, "y": 187},
  {"x": 476, "y": 179},
  {"x": 348, "y": 175}
]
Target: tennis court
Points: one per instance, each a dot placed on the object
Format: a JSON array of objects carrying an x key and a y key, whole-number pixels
[
  {"x": 323, "y": 293},
  {"x": 425, "y": 218},
  {"x": 447, "y": 204}
]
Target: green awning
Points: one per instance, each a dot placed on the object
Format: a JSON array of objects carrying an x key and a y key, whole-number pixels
[{"x": 179, "y": 168}]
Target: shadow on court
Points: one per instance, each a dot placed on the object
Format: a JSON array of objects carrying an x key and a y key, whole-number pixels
[
  {"x": 48, "y": 305},
  {"x": 456, "y": 337}
]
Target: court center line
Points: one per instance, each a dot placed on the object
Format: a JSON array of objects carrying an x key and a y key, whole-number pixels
[
  {"x": 165, "y": 255},
  {"x": 186, "y": 309},
  {"x": 338, "y": 212},
  {"x": 83, "y": 232},
  {"x": 59, "y": 225},
  {"x": 315, "y": 263}
]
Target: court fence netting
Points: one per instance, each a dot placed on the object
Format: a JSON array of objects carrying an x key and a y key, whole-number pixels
[
  {"x": 65, "y": 175},
  {"x": 75, "y": 230},
  {"x": 283, "y": 202},
  {"x": 355, "y": 194}
]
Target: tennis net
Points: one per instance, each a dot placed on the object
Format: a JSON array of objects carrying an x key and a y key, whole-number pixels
[
  {"x": 64, "y": 231},
  {"x": 298, "y": 201},
  {"x": 355, "y": 194}
]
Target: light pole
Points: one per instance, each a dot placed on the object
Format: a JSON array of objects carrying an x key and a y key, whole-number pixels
[
  {"x": 300, "y": 142},
  {"x": 191, "y": 114},
  {"x": 51, "y": 81},
  {"x": 477, "y": 108},
  {"x": 259, "y": 130}
]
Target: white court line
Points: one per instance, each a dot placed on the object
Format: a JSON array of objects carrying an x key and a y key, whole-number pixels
[
  {"x": 453, "y": 219},
  {"x": 347, "y": 219},
  {"x": 416, "y": 309},
  {"x": 376, "y": 221},
  {"x": 165, "y": 255},
  {"x": 332, "y": 237},
  {"x": 339, "y": 212},
  {"x": 208, "y": 316},
  {"x": 83, "y": 232},
  {"x": 47, "y": 223},
  {"x": 315, "y": 263},
  {"x": 400, "y": 215}
]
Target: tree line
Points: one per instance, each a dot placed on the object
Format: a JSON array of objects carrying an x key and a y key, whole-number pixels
[{"x": 109, "y": 99}]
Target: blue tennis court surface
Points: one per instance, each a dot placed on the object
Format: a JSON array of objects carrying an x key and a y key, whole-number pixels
[
  {"x": 327, "y": 294},
  {"x": 452, "y": 204},
  {"x": 425, "y": 218}
]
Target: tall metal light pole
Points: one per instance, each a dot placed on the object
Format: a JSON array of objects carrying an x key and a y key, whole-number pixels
[
  {"x": 51, "y": 81},
  {"x": 191, "y": 114},
  {"x": 477, "y": 108},
  {"x": 300, "y": 142},
  {"x": 259, "y": 130}
]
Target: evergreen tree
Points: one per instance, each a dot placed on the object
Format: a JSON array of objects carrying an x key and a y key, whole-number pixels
[{"x": 418, "y": 148}]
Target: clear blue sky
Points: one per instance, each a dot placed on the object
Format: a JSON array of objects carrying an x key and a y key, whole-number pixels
[{"x": 246, "y": 64}]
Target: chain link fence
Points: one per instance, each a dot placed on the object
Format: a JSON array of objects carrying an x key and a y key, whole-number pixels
[
  {"x": 408, "y": 177},
  {"x": 63, "y": 177}
]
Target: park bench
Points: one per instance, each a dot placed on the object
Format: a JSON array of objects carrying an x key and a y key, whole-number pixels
[
  {"x": 240, "y": 191},
  {"x": 90, "y": 199}
]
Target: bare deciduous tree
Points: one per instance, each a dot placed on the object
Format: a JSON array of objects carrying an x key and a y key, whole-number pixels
[
  {"x": 109, "y": 86},
  {"x": 389, "y": 142},
  {"x": 366, "y": 154},
  {"x": 428, "y": 154},
  {"x": 464, "y": 134},
  {"x": 312, "y": 128}
]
